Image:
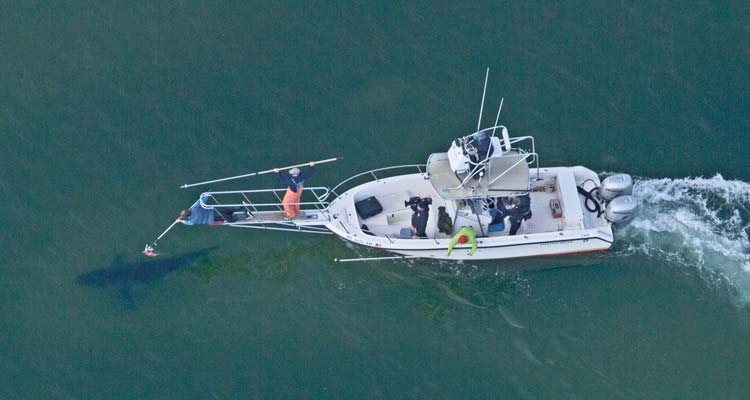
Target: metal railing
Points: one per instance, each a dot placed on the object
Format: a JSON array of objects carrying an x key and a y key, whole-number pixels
[
  {"x": 269, "y": 209},
  {"x": 421, "y": 168},
  {"x": 533, "y": 153},
  {"x": 320, "y": 193},
  {"x": 531, "y": 157}
]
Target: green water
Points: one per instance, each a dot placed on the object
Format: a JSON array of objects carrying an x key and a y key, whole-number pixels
[{"x": 106, "y": 108}]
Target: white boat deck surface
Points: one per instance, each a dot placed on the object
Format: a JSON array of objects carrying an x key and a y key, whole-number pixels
[
  {"x": 392, "y": 192},
  {"x": 541, "y": 219}
]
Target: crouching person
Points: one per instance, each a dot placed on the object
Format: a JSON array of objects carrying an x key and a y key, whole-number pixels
[{"x": 466, "y": 234}]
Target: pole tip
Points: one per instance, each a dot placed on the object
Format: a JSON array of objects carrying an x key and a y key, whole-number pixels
[
  {"x": 335, "y": 260},
  {"x": 149, "y": 250}
]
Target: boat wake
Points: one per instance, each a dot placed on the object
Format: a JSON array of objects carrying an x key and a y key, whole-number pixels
[{"x": 702, "y": 223}]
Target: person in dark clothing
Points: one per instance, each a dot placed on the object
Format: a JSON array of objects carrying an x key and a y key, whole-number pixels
[
  {"x": 484, "y": 148},
  {"x": 445, "y": 224},
  {"x": 480, "y": 153},
  {"x": 197, "y": 215},
  {"x": 419, "y": 220},
  {"x": 294, "y": 183},
  {"x": 524, "y": 205},
  {"x": 515, "y": 223},
  {"x": 518, "y": 210}
]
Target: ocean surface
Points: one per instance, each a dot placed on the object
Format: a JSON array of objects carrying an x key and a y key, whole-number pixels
[{"x": 107, "y": 107}]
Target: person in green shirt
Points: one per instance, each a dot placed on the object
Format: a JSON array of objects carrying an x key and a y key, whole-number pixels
[{"x": 466, "y": 234}]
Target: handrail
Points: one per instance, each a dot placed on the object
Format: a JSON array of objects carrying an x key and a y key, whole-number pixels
[
  {"x": 304, "y": 203},
  {"x": 261, "y": 190},
  {"x": 524, "y": 157},
  {"x": 303, "y": 229},
  {"x": 531, "y": 157},
  {"x": 318, "y": 203},
  {"x": 371, "y": 172},
  {"x": 514, "y": 140}
]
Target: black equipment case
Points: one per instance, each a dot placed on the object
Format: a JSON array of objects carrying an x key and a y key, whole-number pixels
[{"x": 368, "y": 207}]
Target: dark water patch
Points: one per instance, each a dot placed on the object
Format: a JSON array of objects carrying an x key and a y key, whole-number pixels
[{"x": 127, "y": 277}]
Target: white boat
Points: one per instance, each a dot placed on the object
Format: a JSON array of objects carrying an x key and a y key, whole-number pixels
[{"x": 563, "y": 210}]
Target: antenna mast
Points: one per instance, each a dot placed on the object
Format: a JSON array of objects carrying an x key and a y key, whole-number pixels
[
  {"x": 486, "y": 75},
  {"x": 497, "y": 119}
]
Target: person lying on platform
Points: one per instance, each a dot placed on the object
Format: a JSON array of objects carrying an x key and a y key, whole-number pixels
[
  {"x": 419, "y": 220},
  {"x": 466, "y": 234},
  {"x": 197, "y": 215},
  {"x": 294, "y": 186}
]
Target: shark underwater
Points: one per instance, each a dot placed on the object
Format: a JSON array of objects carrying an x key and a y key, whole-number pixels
[{"x": 122, "y": 276}]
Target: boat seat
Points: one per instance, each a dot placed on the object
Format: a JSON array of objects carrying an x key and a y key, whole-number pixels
[{"x": 497, "y": 148}]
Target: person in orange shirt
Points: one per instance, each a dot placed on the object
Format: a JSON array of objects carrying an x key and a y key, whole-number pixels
[{"x": 294, "y": 183}]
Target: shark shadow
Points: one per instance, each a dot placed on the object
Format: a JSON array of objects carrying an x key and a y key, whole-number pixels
[{"x": 122, "y": 276}]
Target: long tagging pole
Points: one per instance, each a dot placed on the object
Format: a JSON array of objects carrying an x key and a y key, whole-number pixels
[
  {"x": 374, "y": 258},
  {"x": 167, "y": 230},
  {"x": 255, "y": 173},
  {"x": 149, "y": 249}
]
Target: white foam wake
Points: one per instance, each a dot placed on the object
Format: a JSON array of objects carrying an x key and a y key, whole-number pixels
[{"x": 698, "y": 222}]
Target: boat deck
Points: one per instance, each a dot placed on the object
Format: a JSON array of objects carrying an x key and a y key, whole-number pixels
[
  {"x": 554, "y": 184},
  {"x": 305, "y": 218},
  {"x": 272, "y": 216},
  {"x": 541, "y": 219}
]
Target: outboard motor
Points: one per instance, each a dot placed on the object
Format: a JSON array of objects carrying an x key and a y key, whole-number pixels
[
  {"x": 621, "y": 209},
  {"x": 616, "y": 185}
]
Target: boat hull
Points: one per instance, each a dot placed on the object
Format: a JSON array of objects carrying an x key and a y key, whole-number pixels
[
  {"x": 543, "y": 235},
  {"x": 490, "y": 248}
]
